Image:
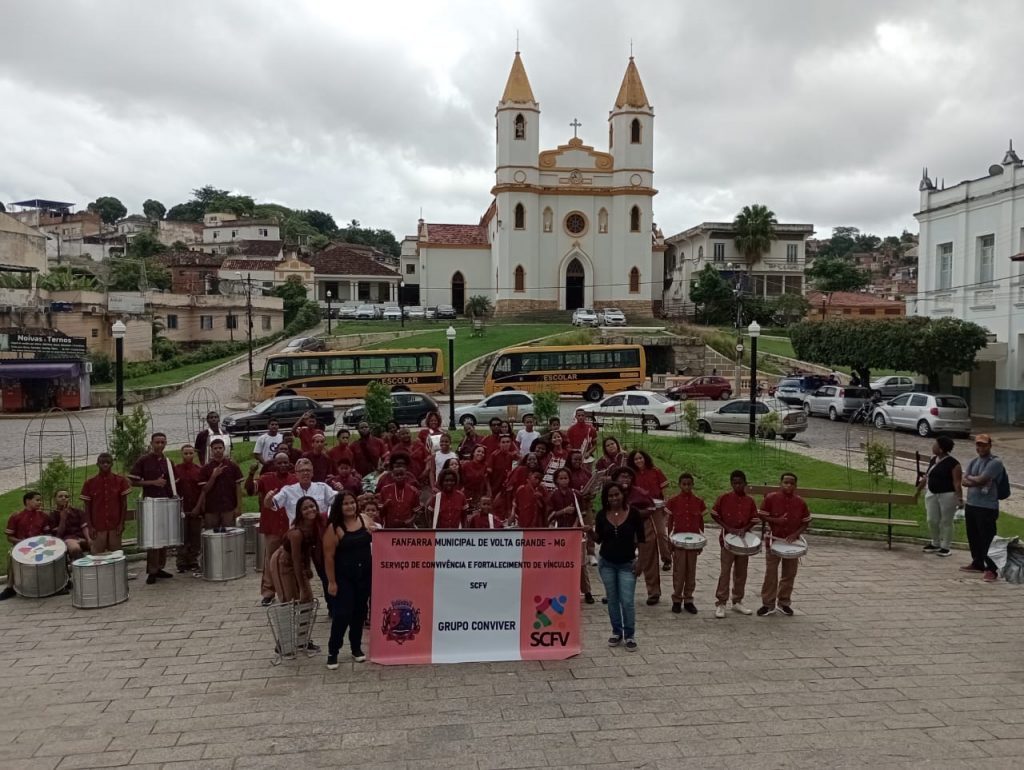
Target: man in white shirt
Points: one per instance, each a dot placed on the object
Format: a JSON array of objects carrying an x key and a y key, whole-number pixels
[
  {"x": 287, "y": 497},
  {"x": 267, "y": 444},
  {"x": 526, "y": 436}
]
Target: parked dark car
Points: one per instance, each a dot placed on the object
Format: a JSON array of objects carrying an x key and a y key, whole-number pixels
[
  {"x": 794, "y": 390},
  {"x": 285, "y": 409},
  {"x": 407, "y": 408},
  {"x": 446, "y": 312},
  {"x": 712, "y": 387},
  {"x": 304, "y": 345}
]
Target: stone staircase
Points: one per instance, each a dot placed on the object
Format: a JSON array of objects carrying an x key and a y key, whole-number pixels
[{"x": 473, "y": 383}]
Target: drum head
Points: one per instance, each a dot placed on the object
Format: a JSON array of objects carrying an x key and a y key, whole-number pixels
[
  {"x": 43, "y": 549},
  {"x": 97, "y": 560},
  {"x": 798, "y": 546},
  {"x": 688, "y": 538}
]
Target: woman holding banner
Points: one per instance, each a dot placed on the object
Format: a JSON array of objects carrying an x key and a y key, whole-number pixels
[
  {"x": 348, "y": 567},
  {"x": 618, "y": 529}
]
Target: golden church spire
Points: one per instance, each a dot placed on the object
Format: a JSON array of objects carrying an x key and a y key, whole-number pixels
[
  {"x": 631, "y": 92},
  {"x": 517, "y": 89}
]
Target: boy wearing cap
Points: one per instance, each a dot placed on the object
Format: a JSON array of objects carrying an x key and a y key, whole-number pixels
[{"x": 982, "y": 479}]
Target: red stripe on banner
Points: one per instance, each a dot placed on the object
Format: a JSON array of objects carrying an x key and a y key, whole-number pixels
[
  {"x": 550, "y": 624},
  {"x": 402, "y": 599}
]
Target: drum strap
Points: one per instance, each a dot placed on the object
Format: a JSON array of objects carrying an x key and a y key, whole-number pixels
[{"x": 170, "y": 476}]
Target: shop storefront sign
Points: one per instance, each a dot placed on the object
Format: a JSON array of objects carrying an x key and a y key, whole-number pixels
[{"x": 25, "y": 342}]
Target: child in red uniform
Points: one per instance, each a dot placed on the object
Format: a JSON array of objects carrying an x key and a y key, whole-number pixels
[
  {"x": 433, "y": 428},
  {"x": 305, "y": 428},
  {"x": 344, "y": 478},
  {"x": 186, "y": 477},
  {"x": 582, "y": 433},
  {"x": 273, "y": 521},
  {"x": 367, "y": 451},
  {"x": 341, "y": 449},
  {"x": 528, "y": 503},
  {"x": 651, "y": 480},
  {"x": 69, "y": 524},
  {"x": 31, "y": 521},
  {"x": 492, "y": 441},
  {"x": 788, "y": 517},
  {"x": 322, "y": 466},
  {"x": 398, "y": 496},
  {"x": 474, "y": 475},
  {"x": 499, "y": 465},
  {"x": 647, "y": 551},
  {"x": 736, "y": 513},
  {"x": 565, "y": 510},
  {"x": 685, "y": 514},
  {"x": 448, "y": 506},
  {"x": 105, "y": 497},
  {"x": 613, "y": 456},
  {"x": 483, "y": 517}
]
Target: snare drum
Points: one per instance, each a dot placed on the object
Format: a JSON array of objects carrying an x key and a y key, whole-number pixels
[
  {"x": 743, "y": 545},
  {"x": 39, "y": 566},
  {"x": 786, "y": 550},
  {"x": 159, "y": 522},
  {"x": 100, "y": 581},
  {"x": 223, "y": 554},
  {"x": 250, "y": 522},
  {"x": 689, "y": 541}
]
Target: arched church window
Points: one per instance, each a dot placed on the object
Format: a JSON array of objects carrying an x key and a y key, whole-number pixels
[
  {"x": 634, "y": 219},
  {"x": 520, "y": 123},
  {"x": 634, "y": 281},
  {"x": 520, "y": 217},
  {"x": 520, "y": 279},
  {"x": 602, "y": 221},
  {"x": 548, "y": 219},
  {"x": 700, "y": 253},
  {"x": 634, "y": 131}
]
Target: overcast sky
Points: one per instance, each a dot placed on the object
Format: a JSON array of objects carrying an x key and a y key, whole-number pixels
[{"x": 825, "y": 110}]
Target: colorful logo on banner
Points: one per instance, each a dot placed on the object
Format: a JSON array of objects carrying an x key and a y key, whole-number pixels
[
  {"x": 548, "y": 625},
  {"x": 401, "y": 621}
]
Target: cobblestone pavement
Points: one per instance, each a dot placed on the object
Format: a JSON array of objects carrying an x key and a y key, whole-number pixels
[{"x": 893, "y": 660}]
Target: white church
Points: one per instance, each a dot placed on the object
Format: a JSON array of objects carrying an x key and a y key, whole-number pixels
[{"x": 566, "y": 227}]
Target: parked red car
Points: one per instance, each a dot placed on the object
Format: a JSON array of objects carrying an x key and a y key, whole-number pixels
[{"x": 712, "y": 387}]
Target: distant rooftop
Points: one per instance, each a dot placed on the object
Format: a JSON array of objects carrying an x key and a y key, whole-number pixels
[{"x": 41, "y": 203}]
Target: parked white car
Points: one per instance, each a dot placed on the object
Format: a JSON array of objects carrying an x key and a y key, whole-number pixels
[
  {"x": 835, "y": 401},
  {"x": 584, "y": 316},
  {"x": 734, "y": 417},
  {"x": 511, "y": 405},
  {"x": 651, "y": 409},
  {"x": 890, "y": 387},
  {"x": 925, "y": 413},
  {"x": 392, "y": 313},
  {"x": 415, "y": 311},
  {"x": 345, "y": 311},
  {"x": 365, "y": 313},
  {"x": 612, "y": 316}
]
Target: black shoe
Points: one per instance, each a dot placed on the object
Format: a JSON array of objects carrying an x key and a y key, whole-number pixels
[
  {"x": 358, "y": 656},
  {"x": 944, "y": 552},
  {"x": 652, "y": 600},
  {"x": 786, "y": 610},
  {"x": 332, "y": 662},
  {"x": 677, "y": 607},
  {"x": 930, "y": 548},
  {"x": 164, "y": 574},
  {"x": 604, "y": 600},
  {"x": 588, "y": 598},
  {"x": 150, "y": 579},
  {"x": 266, "y": 601},
  {"x": 7, "y": 593},
  {"x": 312, "y": 647},
  {"x": 690, "y": 607},
  {"x": 614, "y": 641},
  {"x": 764, "y": 609},
  {"x": 666, "y": 566}
]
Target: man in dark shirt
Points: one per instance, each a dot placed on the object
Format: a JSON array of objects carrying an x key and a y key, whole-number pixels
[
  {"x": 322, "y": 467},
  {"x": 368, "y": 451},
  {"x": 154, "y": 473},
  {"x": 186, "y": 475},
  {"x": 220, "y": 499}
]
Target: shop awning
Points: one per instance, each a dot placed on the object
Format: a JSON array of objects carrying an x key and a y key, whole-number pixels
[{"x": 38, "y": 370}]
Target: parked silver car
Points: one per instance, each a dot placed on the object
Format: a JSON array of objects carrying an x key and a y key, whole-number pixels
[
  {"x": 888, "y": 387},
  {"x": 512, "y": 405},
  {"x": 392, "y": 313},
  {"x": 365, "y": 313},
  {"x": 925, "y": 413},
  {"x": 584, "y": 316},
  {"x": 612, "y": 316},
  {"x": 734, "y": 417},
  {"x": 835, "y": 401},
  {"x": 415, "y": 311}
]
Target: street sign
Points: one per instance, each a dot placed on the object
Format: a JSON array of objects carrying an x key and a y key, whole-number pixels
[
  {"x": 21, "y": 342},
  {"x": 739, "y": 347}
]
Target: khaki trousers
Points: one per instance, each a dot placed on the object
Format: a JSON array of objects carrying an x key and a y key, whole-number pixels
[
  {"x": 664, "y": 546},
  {"x": 188, "y": 552},
  {"x": 735, "y": 567},
  {"x": 270, "y": 544},
  {"x": 647, "y": 563},
  {"x": 776, "y": 590},
  {"x": 105, "y": 541},
  {"x": 684, "y": 574},
  {"x": 214, "y": 520}
]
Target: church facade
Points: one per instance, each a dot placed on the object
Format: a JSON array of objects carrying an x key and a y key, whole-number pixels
[{"x": 566, "y": 227}]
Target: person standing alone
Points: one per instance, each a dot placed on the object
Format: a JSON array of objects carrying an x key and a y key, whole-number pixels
[{"x": 985, "y": 476}]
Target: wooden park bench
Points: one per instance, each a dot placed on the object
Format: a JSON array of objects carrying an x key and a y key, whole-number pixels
[{"x": 888, "y": 499}]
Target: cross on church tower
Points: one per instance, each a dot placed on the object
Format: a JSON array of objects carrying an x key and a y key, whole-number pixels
[{"x": 575, "y": 126}]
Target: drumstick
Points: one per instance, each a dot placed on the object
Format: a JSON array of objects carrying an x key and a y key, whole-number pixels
[
  {"x": 579, "y": 513},
  {"x": 437, "y": 508}
]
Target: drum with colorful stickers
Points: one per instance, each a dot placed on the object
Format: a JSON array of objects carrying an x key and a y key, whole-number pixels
[{"x": 39, "y": 566}]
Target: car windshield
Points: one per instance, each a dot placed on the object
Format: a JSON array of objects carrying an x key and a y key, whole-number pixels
[{"x": 263, "y": 405}]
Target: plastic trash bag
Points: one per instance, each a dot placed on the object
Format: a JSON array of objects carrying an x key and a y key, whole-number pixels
[{"x": 1012, "y": 568}]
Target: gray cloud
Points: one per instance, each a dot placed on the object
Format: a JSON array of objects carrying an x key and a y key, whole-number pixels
[{"x": 824, "y": 111}]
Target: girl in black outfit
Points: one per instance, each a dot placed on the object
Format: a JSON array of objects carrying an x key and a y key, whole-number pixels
[
  {"x": 618, "y": 529},
  {"x": 348, "y": 568}
]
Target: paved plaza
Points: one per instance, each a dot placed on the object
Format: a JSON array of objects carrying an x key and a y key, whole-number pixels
[{"x": 893, "y": 660}]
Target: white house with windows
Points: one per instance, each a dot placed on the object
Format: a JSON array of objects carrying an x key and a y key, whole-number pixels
[
  {"x": 779, "y": 271},
  {"x": 567, "y": 227},
  {"x": 970, "y": 266}
]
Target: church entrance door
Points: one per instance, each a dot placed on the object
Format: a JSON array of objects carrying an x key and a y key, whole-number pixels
[
  {"x": 458, "y": 292},
  {"x": 574, "y": 285}
]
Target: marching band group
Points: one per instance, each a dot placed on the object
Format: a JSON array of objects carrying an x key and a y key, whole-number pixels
[{"x": 319, "y": 507}]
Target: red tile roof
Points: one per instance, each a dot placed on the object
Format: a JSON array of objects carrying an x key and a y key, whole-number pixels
[
  {"x": 189, "y": 259},
  {"x": 457, "y": 235},
  {"x": 851, "y": 299},
  {"x": 348, "y": 259},
  {"x": 241, "y": 263},
  {"x": 259, "y": 248}
]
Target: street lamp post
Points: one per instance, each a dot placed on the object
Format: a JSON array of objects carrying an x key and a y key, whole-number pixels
[
  {"x": 754, "y": 330},
  {"x": 401, "y": 302},
  {"x": 118, "y": 331},
  {"x": 328, "y": 311},
  {"x": 450, "y": 333},
  {"x": 248, "y": 318}
]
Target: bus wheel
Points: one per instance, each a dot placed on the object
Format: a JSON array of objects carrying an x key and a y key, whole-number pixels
[
  {"x": 286, "y": 392},
  {"x": 399, "y": 389},
  {"x": 594, "y": 393}
]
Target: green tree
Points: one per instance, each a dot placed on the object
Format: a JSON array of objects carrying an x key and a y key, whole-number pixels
[
  {"x": 384, "y": 240},
  {"x": 790, "y": 308},
  {"x": 321, "y": 221},
  {"x": 830, "y": 274},
  {"x": 713, "y": 297},
  {"x": 865, "y": 242},
  {"x": 755, "y": 231},
  {"x": 842, "y": 243},
  {"x": 946, "y": 347},
  {"x": 478, "y": 306},
  {"x": 294, "y": 295},
  {"x": 138, "y": 269},
  {"x": 109, "y": 208},
  {"x": 153, "y": 209},
  {"x": 129, "y": 437},
  {"x": 379, "y": 410},
  {"x": 545, "y": 406},
  {"x": 11, "y": 280},
  {"x": 64, "y": 279},
  {"x": 192, "y": 211}
]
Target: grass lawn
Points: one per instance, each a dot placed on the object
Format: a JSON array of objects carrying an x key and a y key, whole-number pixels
[
  {"x": 180, "y": 374},
  {"x": 342, "y": 327},
  {"x": 468, "y": 347}
]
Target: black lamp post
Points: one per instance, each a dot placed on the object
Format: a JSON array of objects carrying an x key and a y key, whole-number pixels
[
  {"x": 328, "y": 311},
  {"x": 118, "y": 331},
  {"x": 754, "y": 330},
  {"x": 248, "y": 318},
  {"x": 450, "y": 333}
]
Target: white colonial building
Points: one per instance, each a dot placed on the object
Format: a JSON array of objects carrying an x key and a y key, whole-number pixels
[
  {"x": 567, "y": 227},
  {"x": 971, "y": 254}
]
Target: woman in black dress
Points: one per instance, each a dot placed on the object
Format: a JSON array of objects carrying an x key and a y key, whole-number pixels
[{"x": 348, "y": 567}]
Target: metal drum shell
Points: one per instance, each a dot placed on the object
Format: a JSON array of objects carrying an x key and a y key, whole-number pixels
[
  {"x": 749, "y": 545},
  {"x": 250, "y": 522},
  {"x": 787, "y": 550},
  {"x": 223, "y": 555},
  {"x": 159, "y": 522},
  {"x": 99, "y": 584},
  {"x": 693, "y": 544},
  {"x": 36, "y": 579}
]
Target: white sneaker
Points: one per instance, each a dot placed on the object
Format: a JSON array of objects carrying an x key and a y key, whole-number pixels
[
  {"x": 719, "y": 610},
  {"x": 738, "y": 607}
]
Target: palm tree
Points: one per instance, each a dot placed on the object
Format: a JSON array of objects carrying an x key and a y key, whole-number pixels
[
  {"x": 478, "y": 306},
  {"x": 63, "y": 279},
  {"x": 15, "y": 280},
  {"x": 755, "y": 230}
]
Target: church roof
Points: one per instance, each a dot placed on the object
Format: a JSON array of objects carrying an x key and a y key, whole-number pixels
[
  {"x": 456, "y": 235},
  {"x": 631, "y": 92},
  {"x": 517, "y": 89}
]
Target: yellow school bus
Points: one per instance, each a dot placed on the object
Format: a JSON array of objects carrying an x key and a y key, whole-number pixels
[
  {"x": 330, "y": 374},
  {"x": 587, "y": 370}
]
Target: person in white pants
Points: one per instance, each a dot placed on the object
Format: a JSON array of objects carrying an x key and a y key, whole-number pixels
[{"x": 943, "y": 494}]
